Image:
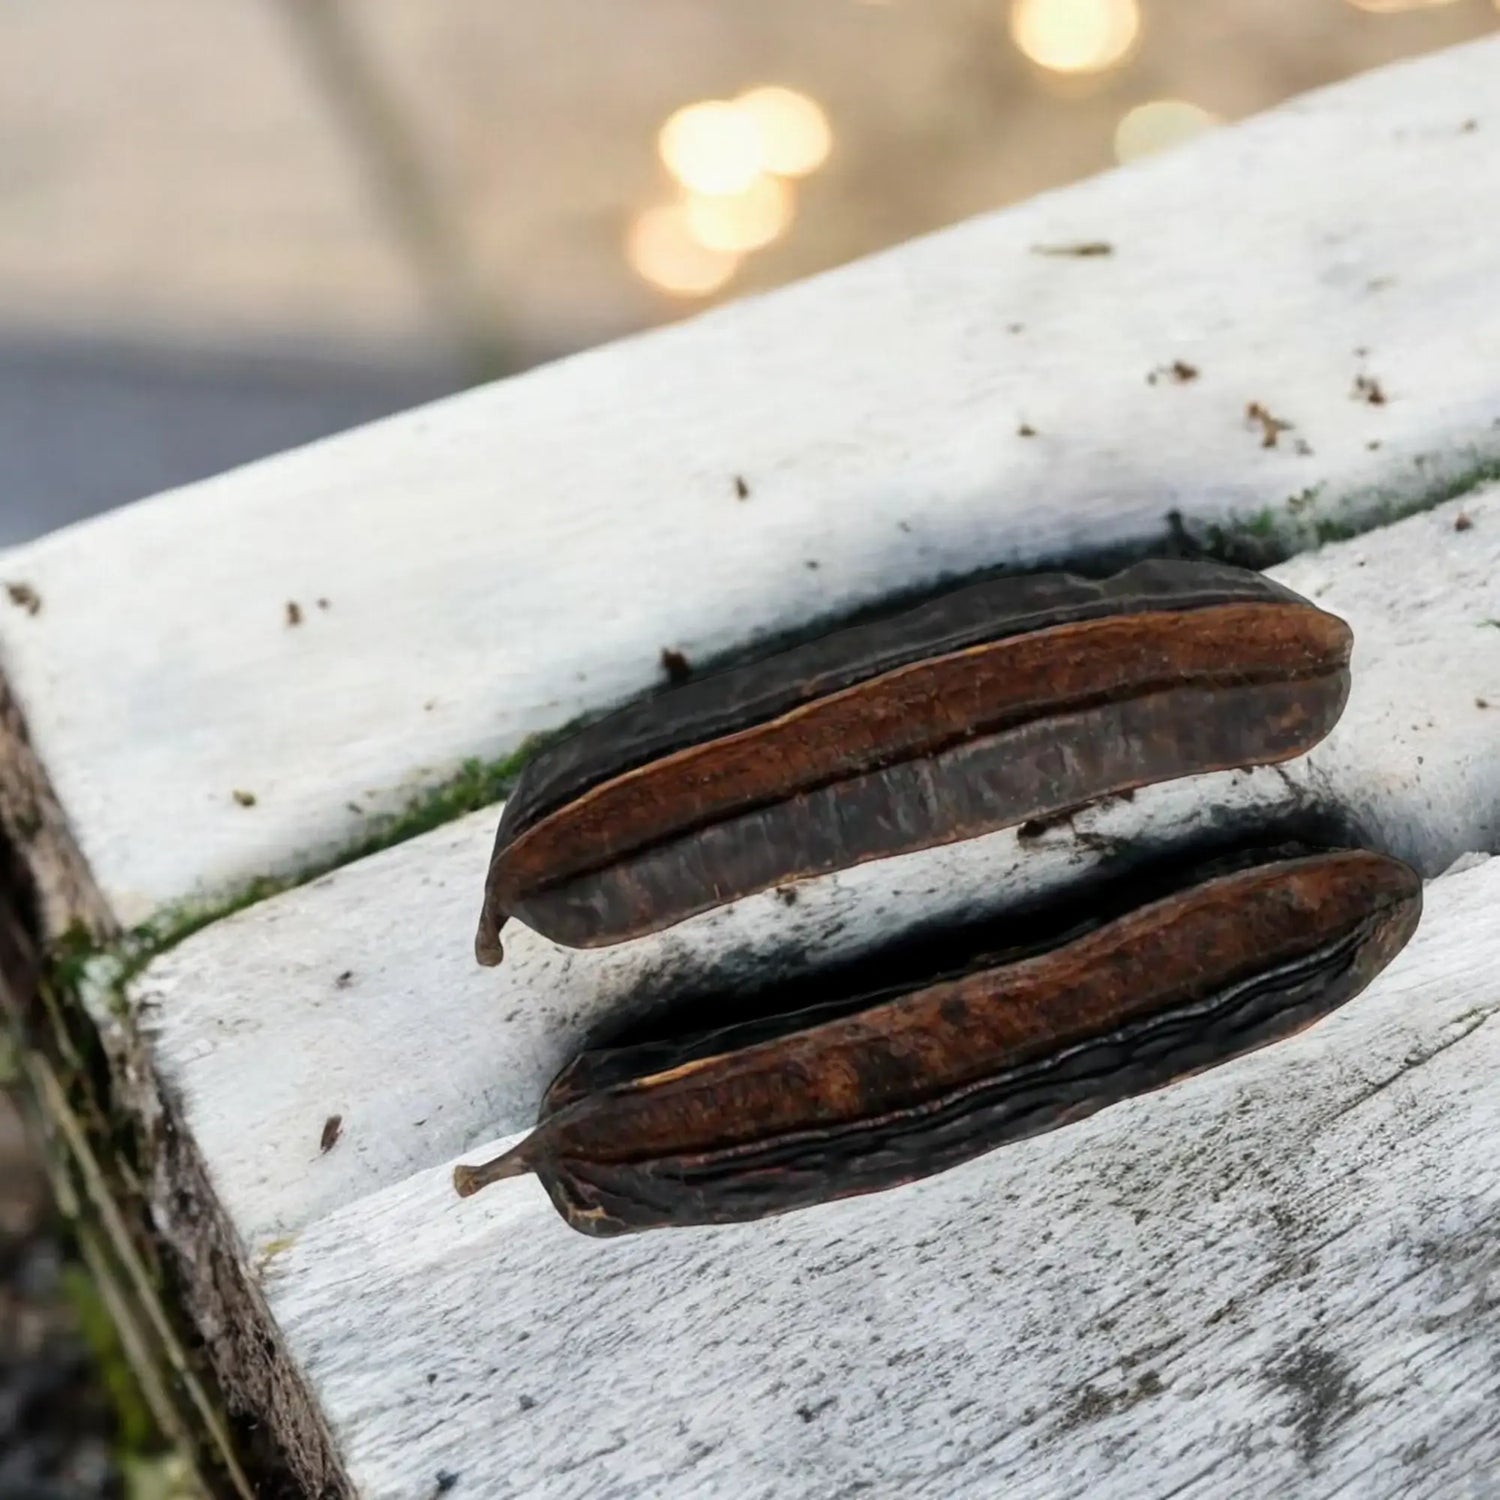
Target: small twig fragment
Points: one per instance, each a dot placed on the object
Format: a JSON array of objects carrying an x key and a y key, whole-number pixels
[
  {"x": 1179, "y": 371},
  {"x": 1271, "y": 427},
  {"x": 1082, "y": 249}
]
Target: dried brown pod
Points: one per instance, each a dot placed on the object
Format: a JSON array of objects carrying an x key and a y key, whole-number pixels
[
  {"x": 867, "y": 1090},
  {"x": 977, "y": 710}
]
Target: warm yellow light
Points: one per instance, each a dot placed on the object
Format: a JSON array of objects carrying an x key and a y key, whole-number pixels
[
  {"x": 1389, "y": 7},
  {"x": 661, "y": 250},
  {"x": 1075, "y": 36},
  {"x": 795, "y": 137},
  {"x": 740, "y": 222},
  {"x": 711, "y": 147},
  {"x": 1158, "y": 125}
]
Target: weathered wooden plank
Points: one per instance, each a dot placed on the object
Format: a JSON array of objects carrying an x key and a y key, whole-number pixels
[
  {"x": 523, "y": 553},
  {"x": 875, "y": 416},
  {"x": 1276, "y": 1278},
  {"x": 357, "y": 995}
]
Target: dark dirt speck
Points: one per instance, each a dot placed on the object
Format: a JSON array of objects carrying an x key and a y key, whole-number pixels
[
  {"x": 23, "y": 596},
  {"x": 675, "y": 665},
  {"x": 333, "y": 1128},
  {"x": 813, "y": 1410},
  {"x": 1179, "y": 371}
]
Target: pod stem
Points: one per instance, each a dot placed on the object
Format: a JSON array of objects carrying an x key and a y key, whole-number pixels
[
  {"x": 487, "y": 948},
  {"x": 467, "y": 1180}
]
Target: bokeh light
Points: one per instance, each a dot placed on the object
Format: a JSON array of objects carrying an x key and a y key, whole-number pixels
[
  {"x": 713, "y": 146},
  {"x": 795, "y": 137},
  {"x": 1075, "y": 36},
  {"x": 1158, "y": 125},
  {"x": 663, "y": 251},
  {"x": 740, "y": 222}
]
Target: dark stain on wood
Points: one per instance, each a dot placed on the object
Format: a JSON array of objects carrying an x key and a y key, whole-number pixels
[
  {"x": 981, "y": 709},
  {"x": 1320, "y": 1387},
  {"x": 995, "y": 1032}
]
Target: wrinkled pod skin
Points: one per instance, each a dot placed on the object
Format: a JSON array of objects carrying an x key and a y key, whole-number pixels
[
  {"x": 981, "y": 709},
  {"x": 864, "y": 1092}
]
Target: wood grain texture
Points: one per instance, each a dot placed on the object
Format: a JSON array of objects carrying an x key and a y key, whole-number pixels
[
  {"x": 1280, "y": 1277},
  {"x": 485, "y": 559}
]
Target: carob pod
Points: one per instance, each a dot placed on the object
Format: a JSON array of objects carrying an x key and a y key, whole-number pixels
[
  {"x": 980, "y": 709},
  {"x": 869, "y": 1090}
]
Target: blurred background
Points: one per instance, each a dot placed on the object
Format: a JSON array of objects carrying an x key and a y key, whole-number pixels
[{"x": 230, "y": 226}]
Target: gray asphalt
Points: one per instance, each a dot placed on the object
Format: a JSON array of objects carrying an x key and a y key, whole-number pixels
[{"x": 84, "y": 427}]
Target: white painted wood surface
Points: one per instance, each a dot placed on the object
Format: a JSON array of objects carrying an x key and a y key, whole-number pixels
[
  {"x": 1278, "y": 1278},
  {"x": 498, "y": 562},
  {"x": 423, "y": 1053},
  {"x": 1275, "y": 1278}
]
